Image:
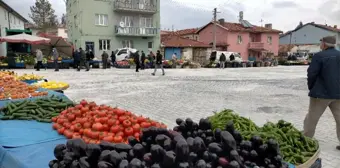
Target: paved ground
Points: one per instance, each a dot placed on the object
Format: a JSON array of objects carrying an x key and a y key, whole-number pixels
[{"x": 259, "y": 93}]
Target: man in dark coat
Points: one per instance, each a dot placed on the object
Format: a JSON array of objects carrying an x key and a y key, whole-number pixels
[
  {"x": 82, "y": 59},
  {"x": 142, "y": 63},
  {"x": 232, "y": 59},
  {"x": 324, "y": 86},
  {"x": 76, "y": 58},
  {"x": 222, "y": 61},
  {"x": 113, "y": 58},
  {"x": 105, "y": 56},
  {"x": 159, "y": 63},
  {"x": 137, "y": 60}
]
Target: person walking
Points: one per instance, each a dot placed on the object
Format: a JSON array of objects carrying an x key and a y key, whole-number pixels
[
  {"x": 222, "y": 60},
  {"x": 76, "y": 58},
  {"x": 137, "y": 60},
  {"x": 159, "y": 63},
  {"x": 89, "y": 57},
  {"x": 39, "y": 57},
  {"x": 55, "y": 57},
  {"x": 105, "y": 56},
  {"x": 323, "y": 78},
  {"x": 151, "y": 57},
  {"x": 113, "y": 58},
  {"x": 174, "y": 60},
  {"x": 143, "y": 58}
]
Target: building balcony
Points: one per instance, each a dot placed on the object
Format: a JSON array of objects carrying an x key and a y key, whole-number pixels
[
  {"x": 135, "y": 31},
  {"x": 134, "y": 7},
  {"x": 256, "y": 46}
]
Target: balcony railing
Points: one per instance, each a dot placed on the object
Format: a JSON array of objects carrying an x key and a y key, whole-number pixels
[
  {"x": 135, "y": 31},
  {"x": 256, "y": 45},
  {"x": 134, "y": 6}
]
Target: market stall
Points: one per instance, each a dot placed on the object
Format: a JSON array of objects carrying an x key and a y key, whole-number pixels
[{"x": 56, "y": 132}]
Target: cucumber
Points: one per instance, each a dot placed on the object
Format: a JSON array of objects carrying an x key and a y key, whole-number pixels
[
  {"x": 6, "y": 118},
  {"x": 24, "y": 118},
  {"x": 23, "y": 111},
  {"x": 50, "y": 109},
  {"x": 18, "y": 115},
  {"x": 44, "y": 120},
  {"x": 54, "y": 114},
  {"x": 19, "y": 107}
]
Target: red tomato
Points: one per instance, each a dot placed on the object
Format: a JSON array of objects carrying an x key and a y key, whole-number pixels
[
  {"x": 87, "y": 125},
  {"x": 137, "y": 135},
  {"x": 61, "y": 130},
  {"x": 67, "y": 125},
  {"x": 141, "y": 119},
  {"x": 77, "y": 127},
  {"x": 120, "y": 133},
  {"x": 68, "y": 134},
  {"x": 145, "y": 125},
  {"x": 54, "y": 119},
  {"x": 126, "y": 123},
  {"x": 84, "y": 110},
  {"x": 115, "y": 129},
  {"x": 72, "y": 127},
  {"x": 77, "y": 113},
  {"x": 111, "y": 122},
  {"x": 108, "y": 138},
  {"x": 122, "y": 118},
  {"x": 102, "y": 135},
  {"x": 81, "y": 131},
  {"x": 128, "y": 113},
  {"x": 92, "y": 104},
  {"x": 103, "y": 120},
  {"x": 119, "y": 112},
  {"x": 55, "y": 126},
  {"x": 94, "y": 134},
  {"x": 71, "y": 117},
  {"x": 83, "y": 102},
  {"x": 97, "y": 126},
  {"x": 117, "y": 139},
  {"x": 136, "y": 128},
  {"x": 79, "y": 106},
  {"x": 106, "y": 127},
  {"x": 128, "y": 131},
  {"x": 110, "y": 134},
  {"x": 76, "y": 135},
  {"x": 133, "y": 120}
]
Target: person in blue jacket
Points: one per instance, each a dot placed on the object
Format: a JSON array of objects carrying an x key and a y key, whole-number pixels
[{"x": 324, "y": 86}]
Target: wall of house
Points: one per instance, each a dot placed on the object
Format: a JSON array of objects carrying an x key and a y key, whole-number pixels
[
  {"x": 192, "y": 36},
  {"x": 81, "y": 25},
  {"x": 187, "y": 53},
  {"x": 241, "y": 48},
  {"x": 62, "y": 32},
  {"x": 206, "y": 35},
  {"x": 9, "y": 21},
  {"x": 274, "y": 46},
  {"x": 308, "y": 34}
]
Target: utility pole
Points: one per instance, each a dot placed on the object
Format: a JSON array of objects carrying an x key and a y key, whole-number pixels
[{"x": 214, "y": 30}]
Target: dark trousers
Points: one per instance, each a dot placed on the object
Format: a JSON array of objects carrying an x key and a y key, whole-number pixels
[
  {"x": 104, "y": 63},
  {"x": 137, "y": 66},
  {"x": 56, "y": 66},
  {"x": 142, "y": 65},
  {"x": 39, "y": 65}
]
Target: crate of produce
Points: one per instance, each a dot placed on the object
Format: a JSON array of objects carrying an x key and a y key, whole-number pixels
[{"x": 312, "y": 162}]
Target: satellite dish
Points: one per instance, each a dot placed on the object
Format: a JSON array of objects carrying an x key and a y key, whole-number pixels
[{"x": 122, "y": 24}]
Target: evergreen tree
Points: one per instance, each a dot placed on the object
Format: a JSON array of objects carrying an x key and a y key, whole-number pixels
[{"x": 43, "y": 15}]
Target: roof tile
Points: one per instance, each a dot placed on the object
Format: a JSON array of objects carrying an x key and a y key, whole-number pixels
[{"x": 174, "y": 40}]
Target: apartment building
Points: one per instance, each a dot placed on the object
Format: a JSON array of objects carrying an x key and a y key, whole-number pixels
[
  {"x": 11, "y": 22},
  {"x": 105, "y": 25}
]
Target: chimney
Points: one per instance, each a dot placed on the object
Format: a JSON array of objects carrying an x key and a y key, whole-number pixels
[
  {"x": 240, "y": 16},
  {"x": 221, "y": 21},
  {"x": 335, "y": 26},
  {"x": 268, "y": 26},
  {"x": 313, "y": 22}
]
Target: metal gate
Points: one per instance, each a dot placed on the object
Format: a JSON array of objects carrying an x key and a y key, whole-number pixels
[{"x": 170, "y": 51}]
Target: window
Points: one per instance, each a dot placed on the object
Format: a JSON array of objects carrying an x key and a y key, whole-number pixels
[
  {"x": 104, "y": 45},
  {"x": 127, "y": 20},
  {"x": 239, "y": 39},
  {"x": 150, "y": 44},
  {"x": 127, "y": 43},
  {"x": 146, "y": 22},
  {"x": 101, "y": 20},
  {"x": 269, "y": 39}
]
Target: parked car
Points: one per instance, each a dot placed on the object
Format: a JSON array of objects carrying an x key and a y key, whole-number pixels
[{"x": 124, "y": 53}]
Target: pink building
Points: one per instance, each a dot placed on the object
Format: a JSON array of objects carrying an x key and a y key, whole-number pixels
[{"x": 252, "y": 42}]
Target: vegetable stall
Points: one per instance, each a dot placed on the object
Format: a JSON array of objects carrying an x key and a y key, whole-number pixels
[{"x": 59, "y": 133}]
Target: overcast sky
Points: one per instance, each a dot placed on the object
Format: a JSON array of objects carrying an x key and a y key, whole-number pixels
[{"x": 283, "y": 14}]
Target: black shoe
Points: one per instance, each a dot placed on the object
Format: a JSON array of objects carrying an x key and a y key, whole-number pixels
[
  {"x": 87, "y": 70},
  {"x": 163, "y": 74},
  {"x": 153, "y": 74},
  {"x": 338, "y": 147},
  {"x": 56, "y": 70}
]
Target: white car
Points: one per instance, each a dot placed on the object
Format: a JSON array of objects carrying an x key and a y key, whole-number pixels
[{"x": 124, "y": 53}]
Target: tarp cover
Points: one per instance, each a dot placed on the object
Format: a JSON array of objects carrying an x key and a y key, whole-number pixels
[{"x": 24, "y": 38}]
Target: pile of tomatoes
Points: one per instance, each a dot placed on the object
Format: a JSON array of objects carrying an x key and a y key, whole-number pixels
[{"x": 94, "y": 123}]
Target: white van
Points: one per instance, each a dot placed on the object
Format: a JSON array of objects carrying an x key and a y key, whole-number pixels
[
  {"x": 227, "y": 54},
  {"x": 124, "y": 53}
]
